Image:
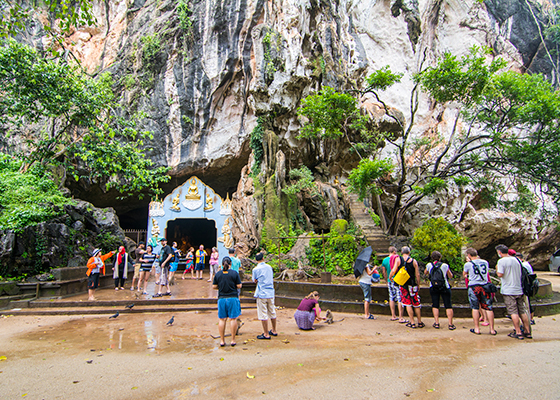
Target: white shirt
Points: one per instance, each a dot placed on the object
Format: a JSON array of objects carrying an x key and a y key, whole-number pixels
[
  {"x": 444, "y": 268},
  {"x": 511, "y": 281}
]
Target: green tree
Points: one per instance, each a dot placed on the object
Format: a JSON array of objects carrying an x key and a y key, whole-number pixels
[
  {"x": 65, "y": 13},
  {"x": 82, "y": 131},
  {"x": 506, "y": 127},
  {"x": 438, "y": 234}
]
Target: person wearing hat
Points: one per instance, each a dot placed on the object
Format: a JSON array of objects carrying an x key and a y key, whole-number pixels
[{"x": 95, "y": 265}]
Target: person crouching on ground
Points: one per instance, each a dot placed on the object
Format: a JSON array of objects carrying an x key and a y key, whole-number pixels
[
  {"x": 439, "y": 286},
  {"x": 227, "y": 282},
  {"x": 365, "y": 284},
  {"x": 263, "y": 276},
  {"x": 120, "y": 269},
  {"x": 308, "y": 311},
  {"x": 95, "y": 265},
  {"x": 410, "y": 297}
]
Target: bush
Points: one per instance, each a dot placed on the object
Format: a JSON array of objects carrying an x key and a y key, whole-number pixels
[
  {"x": 341, "y": 250},
  {"x": 27, "y": 198},
  {"x": 438, "y": 234}
]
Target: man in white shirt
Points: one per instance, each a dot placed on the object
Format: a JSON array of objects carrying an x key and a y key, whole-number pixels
[{"x": 509, "y": 270}]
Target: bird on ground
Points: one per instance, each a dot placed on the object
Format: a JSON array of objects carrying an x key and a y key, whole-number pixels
[
  {"x": 129, "y": 306},
  {"x": 114, "y": 315},
  {"x": 170, "y": 322}
]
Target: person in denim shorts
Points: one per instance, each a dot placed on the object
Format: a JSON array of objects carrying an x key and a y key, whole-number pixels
[
  {"x": 476, "y": 270},
  {"x": 365, "y": 284}
]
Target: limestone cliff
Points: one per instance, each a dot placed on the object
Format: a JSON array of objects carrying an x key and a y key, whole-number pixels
[{"x": 203, "y": 70}]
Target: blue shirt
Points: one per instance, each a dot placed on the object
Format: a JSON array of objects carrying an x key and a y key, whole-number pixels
[
  {"x": 235, "y": 263},
  {"x": 264, "y": 275}
]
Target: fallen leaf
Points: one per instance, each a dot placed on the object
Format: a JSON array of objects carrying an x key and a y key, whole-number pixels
[
  {"x": 346, "y": 359},
  {"x": 250, "y": 376},
  {"x": 300, "y": 365},
  {"x": 2, "y": 358},
  {"x": 286, "y": 341},
  {"x": 89, "y": 361},
  {"x": 134, "y": 387},
  {"x": 430, "y": 390},
  {"x": 75, "y": 381},
  {"x": 222, "y": 359},
  {"x": 23, "y": 395}
]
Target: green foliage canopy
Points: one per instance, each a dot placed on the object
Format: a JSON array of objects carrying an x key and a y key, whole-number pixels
[
  {"x": 26, "y": 199},
  {"x": 438, "y": 234},
  {"x": 83, "y": 132}
]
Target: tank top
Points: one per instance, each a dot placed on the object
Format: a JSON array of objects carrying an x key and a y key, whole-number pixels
[{"x": 409, "y": 266}]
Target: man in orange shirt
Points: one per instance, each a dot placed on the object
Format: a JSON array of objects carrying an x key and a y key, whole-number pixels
[{"x": 95, "y": 265}]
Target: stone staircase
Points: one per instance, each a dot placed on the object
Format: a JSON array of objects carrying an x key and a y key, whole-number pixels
[{"x": 375, "y": 236}]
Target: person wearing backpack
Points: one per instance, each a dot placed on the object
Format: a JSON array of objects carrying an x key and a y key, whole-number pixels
[
  {"x": 510, "y": 270},
  {"x": 530, "y": 271},
  {"x": 410, "y": 297},
  {"x": 476, "y": 270},
  {"x": 439, "y": 287}
]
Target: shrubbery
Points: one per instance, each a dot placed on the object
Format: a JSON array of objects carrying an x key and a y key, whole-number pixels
[
  {"x": 438, "y": 234},
  {"x": 27, "y": 198}
]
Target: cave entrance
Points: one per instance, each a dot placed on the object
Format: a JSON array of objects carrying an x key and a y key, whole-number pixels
[
  {"x": 191, "y": 215},
  {"x": 192, "y": 232}
]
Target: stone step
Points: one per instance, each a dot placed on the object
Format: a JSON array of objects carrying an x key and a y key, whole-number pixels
[
  {"x": 160, "y": 301},
  {"x": 112, "y": 310}
]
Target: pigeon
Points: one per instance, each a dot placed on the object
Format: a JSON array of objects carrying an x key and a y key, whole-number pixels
[
  {"x": 170, "y": 322},
  {"x": 129, "y": 306},
  {"x": 114, "y": 315}
]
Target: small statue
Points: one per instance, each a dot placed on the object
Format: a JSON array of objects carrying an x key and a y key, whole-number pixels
[
  {"x": 155, "y": 228},
  {"x": 226, "y": 239},
  {"x": 336, "y": 182},
  {"x": 209, "y": 203},
  {"x": 192, "y": 193},
  {"x": 175, "y": 203}
]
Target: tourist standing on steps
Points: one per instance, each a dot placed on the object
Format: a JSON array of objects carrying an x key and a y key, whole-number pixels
[
  {"x": 228, "y": 283},
  {"x": 120, "y": 268},
  {"x": 165, "y": 257},
  {"x": 137, "y": 264},
  {"x": 365, "y": 284},
  {"x": 200, "y": 258},
  {"x": 439, "y": 273},
  {"x": 214, "y": 263},
  {"x": 146, "y": 264},
  {"x": 476, "y": 270},
  {"x": 174, "y": 263},
  {"x": 394, "y": 291},
  {"x": 263, "y": 276},
  {"x": 95, "y": 265},
  {"x": 410, "y": 297},
  {"x": 190, "y": 263},
  {"x": 509, "y": 270}
]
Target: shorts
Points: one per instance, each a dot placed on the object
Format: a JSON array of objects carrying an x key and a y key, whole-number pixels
[
  {"x": 93, "y": 281},
  {"x": 145, "y": 269},
  {"x": 265, "y": 309},
  {"x": 229, "y": 307},
  {"x": 478, "y": 297},
  {"x": 136, "y": 271},
  {"x": 394, "y": 291},
  {"x": 199, "y": 267},
  {"x": 445, "y": 294},
  {"x": 158, "y": 269},
  {"x": 410, "y": 296},
  {"x": 214, "y": 268},
  {"x": 173, "y": 266},
  {"x": 366, "y": 288},
  {"x": 515, "y": 304}
]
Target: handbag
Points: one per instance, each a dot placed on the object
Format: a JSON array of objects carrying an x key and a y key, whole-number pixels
[
  {"x": 490, "y": 288},
  {"x": 401, "y": 276}
]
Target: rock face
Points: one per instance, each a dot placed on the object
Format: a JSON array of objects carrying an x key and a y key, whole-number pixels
[
  {"x": 204, "y": 72},
  {"x": 66, "y": 241}
]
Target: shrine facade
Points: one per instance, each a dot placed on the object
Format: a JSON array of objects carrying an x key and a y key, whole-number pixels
[{"x": 191, "y": 215}]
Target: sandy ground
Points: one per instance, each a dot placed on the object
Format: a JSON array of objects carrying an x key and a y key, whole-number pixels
[{"x": 138, "y": 356}]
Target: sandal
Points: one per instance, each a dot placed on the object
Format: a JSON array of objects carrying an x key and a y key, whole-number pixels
[
  {"x": 394, "y": 319},
  {"x": 493, "y": 333},
  {"x": 232, "y": 344},
  {"x": 409, "y": 325},
  {"x": 527, "y": 335},
  {"x": 157, "y": 295},
  {"x": 475, "y": 332},
  {"x": 371, "y": 316},
  {"x": 421, "y": 325},
  {"x": 515, "y": 336},
  {"x": 404, "y": 321},
  {"x": 166, "y": 294},
  {"x": 435, "y": 325},
  {"x": 452, "y": 327}
]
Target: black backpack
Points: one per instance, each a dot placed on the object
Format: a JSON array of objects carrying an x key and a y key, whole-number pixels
[
  {"x": 436, "y": 276},
  {"x": 529, "y": 282}
]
